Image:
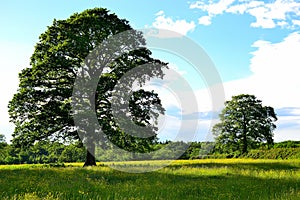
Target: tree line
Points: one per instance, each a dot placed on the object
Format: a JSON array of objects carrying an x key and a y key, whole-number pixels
[
  {"x": 45, "y": 152},
  {"x": 56, "y": 152}
]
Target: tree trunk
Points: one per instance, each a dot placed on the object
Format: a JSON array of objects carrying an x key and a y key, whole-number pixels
[
  {"x": 90, "y": 145},
  {"x": 90, "y": 156},
  {"x": 244, "y": 142}
]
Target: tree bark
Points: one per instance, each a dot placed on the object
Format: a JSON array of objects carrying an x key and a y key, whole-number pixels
[
  {"x": 90, "y": 156},
  {"x": 90, "y": 145},
  {"x": 245, "y": 143},
  {"x": 244, "y": 140}
]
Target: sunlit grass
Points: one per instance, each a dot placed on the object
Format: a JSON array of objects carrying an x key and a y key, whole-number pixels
[{"x": 182, "y": 179}]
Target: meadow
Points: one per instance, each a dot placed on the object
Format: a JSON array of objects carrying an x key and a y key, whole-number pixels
[{"x": 182, "y": 179}]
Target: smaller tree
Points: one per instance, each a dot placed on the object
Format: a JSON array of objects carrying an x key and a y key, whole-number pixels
[
  {"x": 3, "y": 149},
  {"x": 244, "y": 124},
  {"x": 2, "y": 138},
  {"x": 2, "y": 141}
]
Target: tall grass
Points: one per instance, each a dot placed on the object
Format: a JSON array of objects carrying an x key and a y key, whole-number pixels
[{"x": 192, "y": 179}]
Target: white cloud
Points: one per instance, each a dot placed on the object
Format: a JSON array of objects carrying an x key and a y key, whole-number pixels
[
  {"x": 161, "y": 12},
  {"x": 174, "y": 67},
  {"x": 275, "y": 78},
  {"x": 175, "y": 129},
  {"x": 264, "y": 23},
  {"x": 213, "y": 8},
  {"x": 180, "y": 26},
  {"x": 268, "y": 15},
  {"x": 261, "y": 19},
  {"x": 205, "y": 20},
  {"x": 283, "y": 24},
  {"x": 242, "y": 8},
  {"x": 296, "y": 111},
  {"x": 296, "y": 22},
  {"x": 280, "y": 60}
]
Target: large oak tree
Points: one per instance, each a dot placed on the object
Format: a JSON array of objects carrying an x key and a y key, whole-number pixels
[
  {"x": 42, "y": 107},
  {"x": 244, "y": 124}
]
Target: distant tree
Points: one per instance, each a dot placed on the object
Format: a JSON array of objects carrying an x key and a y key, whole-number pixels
[
  {"x": 72, "y": 153},
  {"x": 287, "y": 144},
  {"x": 206, "y": 149},
  {"x": 41, "y": 109},
  {"x": 2, "y": 141},
  {"x": 244, "y": 123},
  {"x": 2, "y": 138},
  {"x": 3, "y": 151}
]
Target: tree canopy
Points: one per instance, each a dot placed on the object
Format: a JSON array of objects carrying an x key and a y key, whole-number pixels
[
  {"x": 244, "y": 123},
  {"x": 42, "y": 107}
]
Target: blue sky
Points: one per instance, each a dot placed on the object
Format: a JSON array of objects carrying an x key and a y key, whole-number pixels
[{"x": 253, "y": 44}]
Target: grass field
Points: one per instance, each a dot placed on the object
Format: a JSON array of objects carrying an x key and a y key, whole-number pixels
[{"x": 195, "y": 179}]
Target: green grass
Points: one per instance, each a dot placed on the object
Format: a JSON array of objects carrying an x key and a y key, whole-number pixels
[{"x": 195, "y": 179}]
